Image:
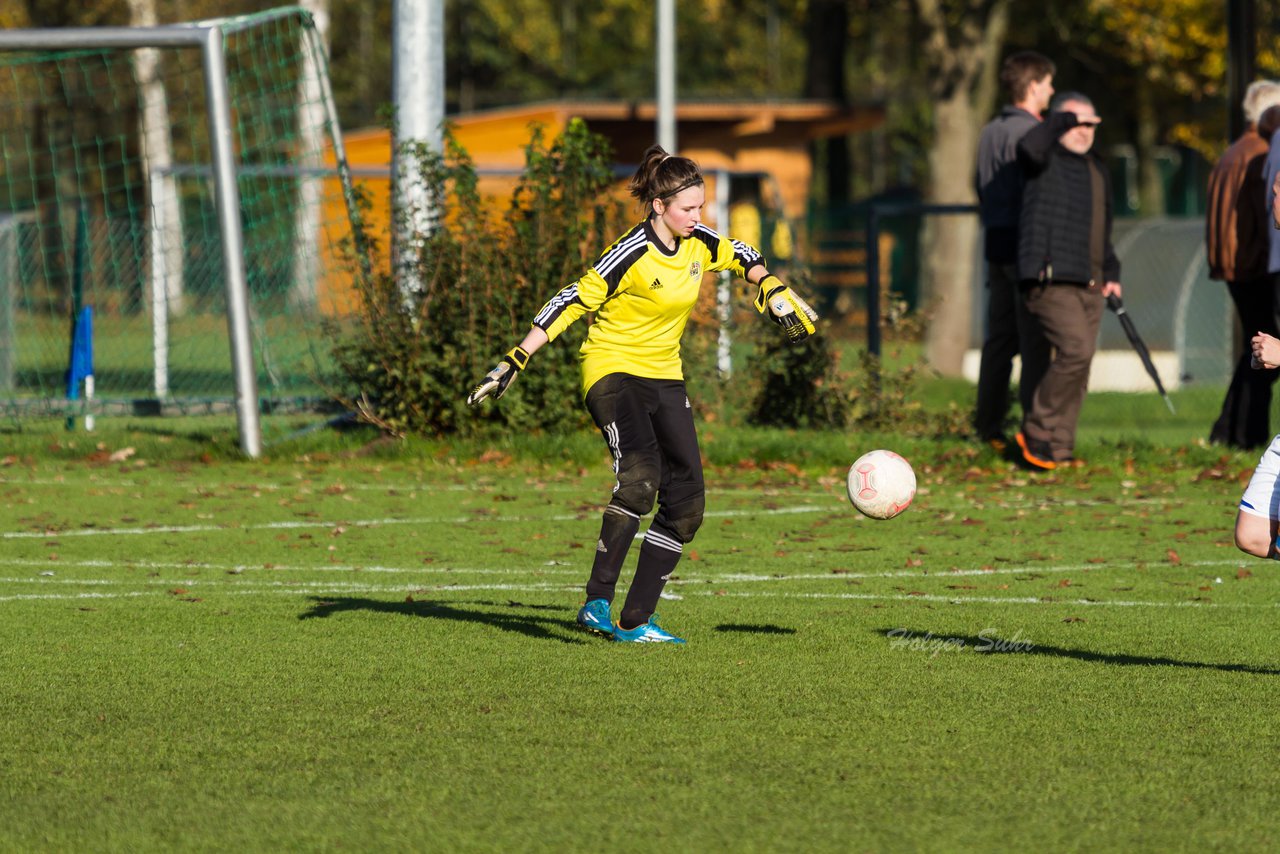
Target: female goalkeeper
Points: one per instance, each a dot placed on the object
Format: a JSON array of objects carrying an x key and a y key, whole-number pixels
[{"x": 642, "y": 290}]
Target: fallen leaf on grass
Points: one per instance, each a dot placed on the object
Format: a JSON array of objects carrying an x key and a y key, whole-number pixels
[
  {"x": 1243, "y": 573},
  {"x": 1174, "y": 557},
  {"x": 1073, "y": 619},
  {"x": 493, "y": 457}
]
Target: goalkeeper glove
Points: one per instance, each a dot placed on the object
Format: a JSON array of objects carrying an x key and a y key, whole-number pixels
[
  {"x": 786, "y": 309},
  {"x": 496, "y": 381}
]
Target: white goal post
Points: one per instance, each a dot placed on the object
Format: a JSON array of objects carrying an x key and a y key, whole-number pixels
[{"x": 208, "y": 37}]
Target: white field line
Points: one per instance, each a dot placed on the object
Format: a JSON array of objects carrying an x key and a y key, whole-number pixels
[
  {"x": 284, "y": 586},
  {"x": 322, "y": 490},
  {"x": 365, "y": 523},
  {"x": 837, "y": 507},
  {"x": 276, "y": 591},
  {"x": 521, "y": 588},
  {"x": 570, "y": 569},
  {"x": 994, "y": 600},
  {"x": 237, "y": 568},
  {"x": 226, "y": 585},
  {"x": 337, "y": 488}
]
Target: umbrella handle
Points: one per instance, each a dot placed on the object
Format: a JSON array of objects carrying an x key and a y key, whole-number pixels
[{"x": 1115, "y": 304}]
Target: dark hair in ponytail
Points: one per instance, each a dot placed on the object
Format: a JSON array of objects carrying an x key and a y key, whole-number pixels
[{"x": 661, "y": 176}]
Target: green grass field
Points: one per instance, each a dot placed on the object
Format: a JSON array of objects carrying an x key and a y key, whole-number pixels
[{"x": 370, "y": 646}]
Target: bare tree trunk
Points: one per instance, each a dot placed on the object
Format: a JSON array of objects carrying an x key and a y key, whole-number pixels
[
  {"x": 1150, "y": 186},
  {"x": 826, "y": 30},
  {"x": 167, "y": 289},
  {"x": 960, "y": 47},
  {"x": 950, "y": 240},
  {"x": 311, "y": 136}
]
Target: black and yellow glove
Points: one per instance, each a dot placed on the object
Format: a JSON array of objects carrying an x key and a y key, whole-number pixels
[
  {"x": 496, "y": 381},
  {"x": 786, "y": 309}
]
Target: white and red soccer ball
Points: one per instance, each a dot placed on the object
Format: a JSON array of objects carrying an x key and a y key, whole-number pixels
[{"x": 881, "y": 484}]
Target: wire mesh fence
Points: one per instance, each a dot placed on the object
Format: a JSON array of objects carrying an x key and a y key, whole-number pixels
[
  {"x": 1186, "y": 319},
  {"x": 107, "y": 201}
]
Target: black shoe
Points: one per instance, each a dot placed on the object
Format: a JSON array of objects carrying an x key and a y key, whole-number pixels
[{"x": 1036, "y": 454}]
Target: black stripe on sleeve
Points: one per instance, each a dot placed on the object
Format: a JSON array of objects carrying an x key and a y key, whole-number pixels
[
  {"x": 748, "y": 256},
  {"x": 556, "y": 306},
  {"x": 620, "y": 257},
  {"x": 710, "y": 238}
]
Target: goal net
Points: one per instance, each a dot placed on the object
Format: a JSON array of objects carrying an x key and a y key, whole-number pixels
[{"x": 185, "y": 187}]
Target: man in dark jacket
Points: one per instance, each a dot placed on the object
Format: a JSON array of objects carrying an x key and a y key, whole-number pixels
[
  {"x": 1028, "y": 76},
  {"x": 1066, "y": 267},
  {"x": 1237, "y": 232}
]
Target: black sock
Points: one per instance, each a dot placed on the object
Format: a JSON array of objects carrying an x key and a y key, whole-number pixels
[
  {"x": 659, "y": 555},
  {"x": 616, "y": 533}
]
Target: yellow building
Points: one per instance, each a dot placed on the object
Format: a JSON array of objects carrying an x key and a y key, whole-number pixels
[{"x": 769, "y": 140}]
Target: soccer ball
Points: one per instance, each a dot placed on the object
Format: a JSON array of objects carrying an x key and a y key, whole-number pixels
[{"x": 881, "y": 484}]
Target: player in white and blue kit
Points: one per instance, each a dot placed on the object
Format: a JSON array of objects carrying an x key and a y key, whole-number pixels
[{"x": 1259, "y": 515}]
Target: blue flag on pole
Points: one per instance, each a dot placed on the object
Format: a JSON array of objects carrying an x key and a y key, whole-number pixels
[{"x": 81, "y": 353}]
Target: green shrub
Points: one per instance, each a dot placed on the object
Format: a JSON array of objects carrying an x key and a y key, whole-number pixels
[
  {"x": 485, "y": 273},
  {"x": 483, "y": 276}
]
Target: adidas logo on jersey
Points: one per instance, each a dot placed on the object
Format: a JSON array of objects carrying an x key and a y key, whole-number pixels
[{"x": 657, "y": 283}]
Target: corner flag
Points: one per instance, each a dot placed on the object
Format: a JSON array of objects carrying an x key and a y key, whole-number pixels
[{"x": 82, "y": 362}]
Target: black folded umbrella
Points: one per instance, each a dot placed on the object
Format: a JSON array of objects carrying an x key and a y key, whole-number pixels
[{"x": 1114, "y": 303}]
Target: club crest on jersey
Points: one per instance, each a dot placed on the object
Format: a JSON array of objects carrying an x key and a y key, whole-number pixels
[{"x": 695, "y": 269}]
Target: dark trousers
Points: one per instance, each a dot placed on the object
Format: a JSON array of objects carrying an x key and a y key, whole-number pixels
[
  {"x": 1243, "y": 422},
  {"x": 1066, "y": 318},
  {"x": 998, "y": 349},
  {"x": 648, "y": 426}
]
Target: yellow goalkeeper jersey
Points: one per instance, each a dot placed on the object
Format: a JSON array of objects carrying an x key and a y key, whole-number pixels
[{"x": 642, "y": 295}]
